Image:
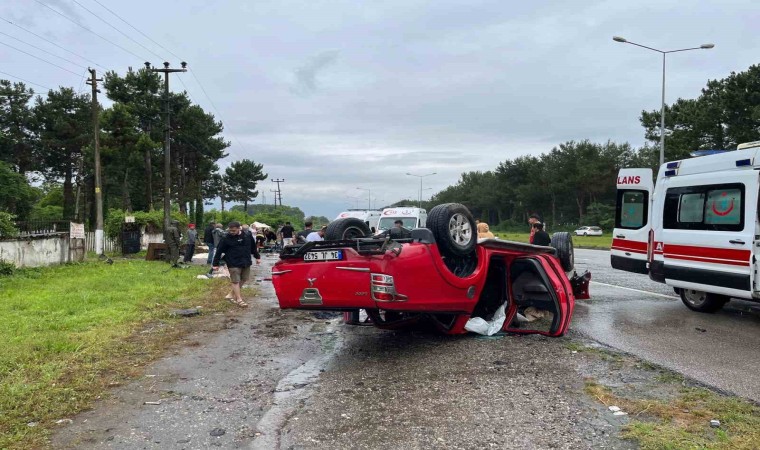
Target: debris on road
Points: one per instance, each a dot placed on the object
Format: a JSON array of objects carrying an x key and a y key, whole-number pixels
[
  {"x": 64, "y": 422},
  {"x": 190, "y": 312},
  {"x": 715, "y": 423},
  {"x": 216, "y": 432},
  {"x": 153, "y": 403}
]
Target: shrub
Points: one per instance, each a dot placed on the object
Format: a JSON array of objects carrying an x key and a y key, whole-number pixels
[
  {"x": 6, "y": 268},
  {"x": 153, "y": 221},
  {"x": 7, "y": 225}
]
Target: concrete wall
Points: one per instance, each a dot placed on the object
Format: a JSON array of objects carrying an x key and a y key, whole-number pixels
[
  {"x": 36, "y": 251},
  {"x": 146, "y": 239}
]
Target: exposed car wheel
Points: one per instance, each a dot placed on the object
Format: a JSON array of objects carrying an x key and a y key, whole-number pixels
[
  {"x": 563, "y": 243},
  {"x": 702, "y": 301},
  {"x": 585, "y": 234},
  {"x": 348, "y": 228},
  {"x": 453, "y": 227}
]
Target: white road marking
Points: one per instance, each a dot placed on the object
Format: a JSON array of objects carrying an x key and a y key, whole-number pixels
[{"x": 635, "y": 290}]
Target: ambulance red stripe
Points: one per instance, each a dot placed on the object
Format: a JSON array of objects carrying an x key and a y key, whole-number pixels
[
  {"x": 707, "y": 260},
  {"x": 708, "y": 252}
]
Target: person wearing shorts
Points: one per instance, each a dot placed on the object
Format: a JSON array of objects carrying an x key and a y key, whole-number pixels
[{"x": 237, "y": 248}]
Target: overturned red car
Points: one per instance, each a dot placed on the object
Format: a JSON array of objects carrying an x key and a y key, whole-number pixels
[{"x": 441, "y": 274}]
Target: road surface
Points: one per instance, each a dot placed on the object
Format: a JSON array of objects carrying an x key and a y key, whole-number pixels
[{"x": 631, "y": 313}]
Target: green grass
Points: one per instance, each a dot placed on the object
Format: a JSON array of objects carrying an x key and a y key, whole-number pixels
[
  {"x": 683, "y": 422},
  {"x": 69, "y": 332},
  {"x": 601, "y": 242}
]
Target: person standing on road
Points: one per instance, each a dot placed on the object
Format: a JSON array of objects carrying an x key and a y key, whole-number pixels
[
  {"x": 307, "y": 230},
  {"x": 532, "y": 220},
  {"x": 287, "y": 234},
  {"x": 208, "y": 239},
  {"x": 173, "y": 242},
  {"x": 237, "y": 248},
  {"x": 192, "y": 236},
  {"x": 317, "y": 235},
  {"x": 540, "y": 237}
]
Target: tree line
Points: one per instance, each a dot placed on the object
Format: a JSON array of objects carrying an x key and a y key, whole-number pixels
[
  {"x": 47, "y": 163},
  {"x": 574, "y": 183}
]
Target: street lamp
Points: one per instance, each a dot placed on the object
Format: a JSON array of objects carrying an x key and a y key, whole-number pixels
[
  {"x": 662, "y": 107},
  {"x": 369, "y": 196},
  {"x": 420, "y": 177}
]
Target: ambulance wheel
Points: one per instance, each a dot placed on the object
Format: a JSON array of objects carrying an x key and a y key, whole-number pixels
[
  {"x": 563, "y": 243},
  {"x": 702, "y": 301},
  {"x": 348, "y": 228},
  {"x": 454, "y": 230}
]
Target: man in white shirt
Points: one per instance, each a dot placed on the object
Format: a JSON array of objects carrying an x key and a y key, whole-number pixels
[{"x": 316, "y": 235}]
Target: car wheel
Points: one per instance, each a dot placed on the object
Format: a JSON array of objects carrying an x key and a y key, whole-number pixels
[
  {"x": 348, "y": 228},
  {"x": 585, "y": 234},
  {"x": 454, "y": 230},
  {"x": 702, "y": 301},
  {"x": 563, "y": 243}
]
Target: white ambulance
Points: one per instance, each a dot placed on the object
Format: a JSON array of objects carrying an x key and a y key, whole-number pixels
[
  {"x": 411, "y": 217},
  {"x": 368, "y": 216},
  {"x": 696, "y": 229}
]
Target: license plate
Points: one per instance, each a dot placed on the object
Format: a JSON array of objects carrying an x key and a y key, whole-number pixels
[{"x": 327, "y": 255}]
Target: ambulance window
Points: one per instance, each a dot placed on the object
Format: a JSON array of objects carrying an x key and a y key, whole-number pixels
[
  {"x": 691, "y": 208},
  {"x": 723, "y": 207},
  {"x": 631, "y": 209}
]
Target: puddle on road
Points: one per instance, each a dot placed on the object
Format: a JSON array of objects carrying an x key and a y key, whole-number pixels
[{"x": 294, "y": 388}]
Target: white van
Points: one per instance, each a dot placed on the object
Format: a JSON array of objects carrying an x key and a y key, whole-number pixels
[
  {"x": 411, "y": 216},
  {"x": 368, "y": 216},
  {"x": 696, "y": 229}
]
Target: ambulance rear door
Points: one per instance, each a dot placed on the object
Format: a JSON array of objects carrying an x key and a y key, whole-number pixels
[{"x": 633, "y": 220}]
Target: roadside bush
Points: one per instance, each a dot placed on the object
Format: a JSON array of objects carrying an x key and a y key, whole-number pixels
[
  {"x": 6, "y": 268},
  {"x": 7, "y": 225},
  {"x": 153, "y": 221},
  {"x": 46, "y": 213}
]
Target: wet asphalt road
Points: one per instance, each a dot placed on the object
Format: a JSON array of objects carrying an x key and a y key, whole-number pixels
[{"x": 631, "y": 313}]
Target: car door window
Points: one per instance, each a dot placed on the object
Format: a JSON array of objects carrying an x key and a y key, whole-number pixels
[{"x": 631, "y": 212}]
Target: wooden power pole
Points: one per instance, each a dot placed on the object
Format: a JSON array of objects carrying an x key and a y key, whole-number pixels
[
  {"x": 93, "y": 81},
  {"x": 167, "y": 140}
]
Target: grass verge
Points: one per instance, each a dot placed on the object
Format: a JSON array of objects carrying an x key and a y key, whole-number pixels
[
  {"x": 684, "y": 422},
  {"x": 69, "y": 332},
  {"x": 600, "y": 242}
]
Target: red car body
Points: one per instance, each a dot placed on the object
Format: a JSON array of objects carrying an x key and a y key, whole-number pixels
[{"x": 410, "y": 282}]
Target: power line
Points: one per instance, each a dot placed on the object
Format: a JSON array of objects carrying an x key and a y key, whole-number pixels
[
  {"x": 44, "y": 51},
  {"x": 26, "y": 81},
  {"x": 41, "y": 59},
  {"x": 110, "y": 25},
  {"x": 82, "y": 26},
  {"x": 192, "y": 72},
  {"x": 134, "y": 28},
  {"x": 53, "y": 43}
]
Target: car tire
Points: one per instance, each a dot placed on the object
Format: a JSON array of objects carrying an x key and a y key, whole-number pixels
[
  {"x": 702, "y": 301},
  {"x": 454, "y": 229},
  {"x": 585, "y": 234},
  {"x": 563, "y": 243},
  {"x": 348, "y": 228}
]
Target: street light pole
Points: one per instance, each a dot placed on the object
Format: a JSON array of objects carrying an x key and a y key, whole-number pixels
[
  {"x": 662, "y": 106},
  {"x": 369, "y": 196},
  {"x": 419, "y": 199}
]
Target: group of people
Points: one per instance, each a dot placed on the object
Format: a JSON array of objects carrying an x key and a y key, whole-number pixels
[{"x": 538, "y": 236}]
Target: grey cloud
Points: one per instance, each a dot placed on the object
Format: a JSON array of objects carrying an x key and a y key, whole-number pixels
[{"x": 306, "y": 75}]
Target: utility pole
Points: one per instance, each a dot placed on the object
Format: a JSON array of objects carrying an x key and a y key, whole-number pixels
[
  {"x": 93, "y": 81},
  {"x": 279, "y": 192},
  {"x": 167, "y": 139},
  {"x": 274, "y": 202}
]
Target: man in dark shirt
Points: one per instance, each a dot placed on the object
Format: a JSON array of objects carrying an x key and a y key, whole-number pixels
[
  {"x": 287, "y": 234},
  {"x": 307, "y": 230},
  {"x": 237, "y": 248},
  {"x": 540, "y": 237},
  {"x": 208, "y": 239}
]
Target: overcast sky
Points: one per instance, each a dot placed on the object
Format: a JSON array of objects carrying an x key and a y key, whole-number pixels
[{"x": 335, "y": 95}]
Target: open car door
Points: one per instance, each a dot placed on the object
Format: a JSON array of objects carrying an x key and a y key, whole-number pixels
[
  {"x": 540, "y": 296},
  {"x": 633, "y": 220}
]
